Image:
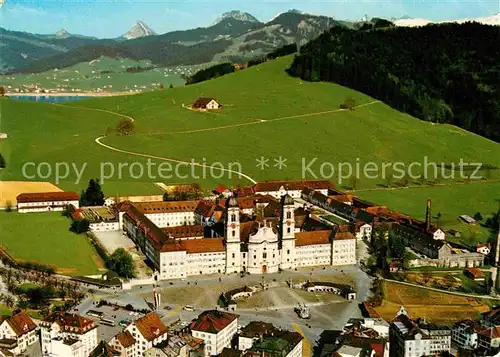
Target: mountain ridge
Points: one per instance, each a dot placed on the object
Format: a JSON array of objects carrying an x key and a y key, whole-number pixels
[{"x": 140, "y": 29}]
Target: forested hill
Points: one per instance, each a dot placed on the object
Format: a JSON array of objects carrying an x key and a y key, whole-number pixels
[{"x": 446, "y": 73}]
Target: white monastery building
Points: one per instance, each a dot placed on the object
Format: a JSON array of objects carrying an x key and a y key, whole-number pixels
[{"x": 261, "y": 245}]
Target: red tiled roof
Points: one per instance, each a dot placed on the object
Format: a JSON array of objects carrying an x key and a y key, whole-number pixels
[
  {"x": 220, "y": 188},
  {"x": 343, "y": 235},
  {"x": 378, "y": 348},
  {"x": 481, "y": 245},
  {"x": 103, "y": 349},
  {"x": 21, "y": 323},
  {"x": 248, "y": 228},
  {"x": 70, "y": 322},
  {"x": 204, "y": 208},
  {"x": 492, "y": 332},
  {"x": 150, "y": 326},
  {"x": 47, "y": 197},
  {"x": 125, "y": 338},
  {"x": 166, "y": 206},
  {"x": 171, "y": 245},
  {"x": 245, "y": 191},
  {"x": 205, "y": 245},
  {"x": 212, "y": 321},
  {"x": 312, "y": 238},
  {"x": 155, "y": 234}
]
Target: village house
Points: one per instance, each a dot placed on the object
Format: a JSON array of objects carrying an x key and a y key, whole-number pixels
[
  {"x": 206, "y": 104},
  {"x": 67, "y": 335},
  {"x": 464, "y": 333},
  {"x": 148, "y": 331},
  {"x": 216, "y": 329},
  {"x": 438, "y": 234},
  {"x": 178, "y": 345},
  {"x": 46, "y": 201},
  {"x": 489, "y": 338},
  {"x": 276, "y": 342},
  {"x": 483, "y": 248},
  {"x": 475, "y": 274},
  {"x": 411, "y": 338},
  {"x": 18, "y": 331},
  {"x": 103, "y": 349}
]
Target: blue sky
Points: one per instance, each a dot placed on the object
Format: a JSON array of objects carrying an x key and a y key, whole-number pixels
[{"x": 112, "y": 18}]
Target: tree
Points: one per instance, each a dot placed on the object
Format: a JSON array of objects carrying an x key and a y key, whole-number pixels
[
  {"x": 171, "y": 86},
  {"x": 80, "y": 226},
  {"x": 93, "y": 195},
  {"x": 348, "y": 103},
  {"x": 2, "y": 162},
  {"x": 478, "y": 217},
  {"x": 8, "y": 206},
  {"x": 396, "y": 246},
  {"x": 166, "y": 197},
  {"x": 125, "y": 126},
  {"x": 438, "y": 216},
  {"x": 161, "y": 86},
  {"x": 109, "y": 131},
  {"x": 2, "y": 91},
  {"x": 122, "y": 263}
]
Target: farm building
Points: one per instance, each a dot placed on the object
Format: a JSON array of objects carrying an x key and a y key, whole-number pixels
[
  {"x": 206, "y": 103},
  {"x": 474, "y": 274},
  {"x": 3, "y": 135}
]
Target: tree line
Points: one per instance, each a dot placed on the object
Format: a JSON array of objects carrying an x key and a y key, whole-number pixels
[
  {"x": 211, "y": 72},
  {"x": 447, "y": 73}
]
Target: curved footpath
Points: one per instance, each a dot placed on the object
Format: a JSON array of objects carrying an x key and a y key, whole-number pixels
[{"x": 161, "y": 158}]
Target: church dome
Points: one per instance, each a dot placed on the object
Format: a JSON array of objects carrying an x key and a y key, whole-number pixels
[
  {"x": 288, "y": 200},
  {"x": 233, "y": 202}
]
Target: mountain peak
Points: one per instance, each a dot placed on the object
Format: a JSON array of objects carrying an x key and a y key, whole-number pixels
[
  {"x": 62, "y": 33},
  {"x": 237, "y": 15},
  {"x": 140, "y": 29}
]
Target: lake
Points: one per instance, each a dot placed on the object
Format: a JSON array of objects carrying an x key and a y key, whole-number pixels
[{"x": 50, "y": 99}]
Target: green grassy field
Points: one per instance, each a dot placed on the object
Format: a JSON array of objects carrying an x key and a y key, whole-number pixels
[
  {"x": 450, "y": 201},
  {"x": 45, "y": 238},
  {"x": 105, "y": 73}
]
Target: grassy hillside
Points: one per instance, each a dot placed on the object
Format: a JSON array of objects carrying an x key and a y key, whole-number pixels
[{"x": 266, "y": 113}]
